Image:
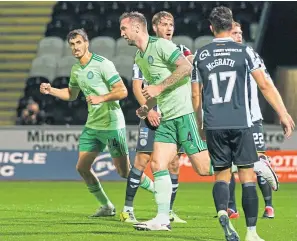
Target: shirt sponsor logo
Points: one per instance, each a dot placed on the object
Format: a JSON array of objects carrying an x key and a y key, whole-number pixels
[
  {"x": 204, "y": 54},
  {"x": 143, "y": 133}
]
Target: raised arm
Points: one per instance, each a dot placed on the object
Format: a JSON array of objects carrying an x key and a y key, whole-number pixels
[{"x": 67, "y": 94}]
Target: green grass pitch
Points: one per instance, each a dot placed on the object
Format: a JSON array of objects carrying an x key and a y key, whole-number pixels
[{"x": 54, "y": 211}]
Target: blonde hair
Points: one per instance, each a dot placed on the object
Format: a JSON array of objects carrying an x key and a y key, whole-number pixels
[
  {"x": 158, "y": 16},
  {"x": 236, "y": 24}
]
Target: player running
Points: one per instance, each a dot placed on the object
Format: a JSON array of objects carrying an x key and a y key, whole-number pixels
[
  {"x": 98, "y": 79},
  {"x": 222, "y": 68},
  {"x": 167, "y": 72},
  {"x": 163, "y": 26},
  {"x": 258, "y": 134}
]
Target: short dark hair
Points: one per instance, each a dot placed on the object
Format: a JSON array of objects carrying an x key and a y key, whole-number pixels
[
  {"x": 137, "y": 16},
  {"x": 158, "y": 16},
  {"x": 72, "y": 34},
  {"x": 221, "y": 19}
]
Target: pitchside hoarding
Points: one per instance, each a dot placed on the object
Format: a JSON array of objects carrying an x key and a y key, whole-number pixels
[
  {"x": 52, "y": 165},
  {"x": 60, "y": 165},
  {"x": 50, "y": 138},
  {"x": 63, "y": 138}
]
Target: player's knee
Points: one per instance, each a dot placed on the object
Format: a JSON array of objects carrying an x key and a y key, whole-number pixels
[
  {"x": 246, "y": 174},
  {"x": 203, "y": 169},
  {"x": 204, "y": 172},
  {"x": 174, "y": 166},
  {"x": 155, "y": 166},
  {"x": 140, "y": 165},
  {"x": 141, "y": 160},
  {"x": 78, "y": 168},
  {"x": 82, "y": 170},
  {"x": 173, "y": 169}
]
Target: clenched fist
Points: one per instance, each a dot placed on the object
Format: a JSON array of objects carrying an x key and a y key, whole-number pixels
[{"x": 45, "y": 88}]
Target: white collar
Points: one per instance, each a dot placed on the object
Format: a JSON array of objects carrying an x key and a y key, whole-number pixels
[{"x": 223, "y": 39}]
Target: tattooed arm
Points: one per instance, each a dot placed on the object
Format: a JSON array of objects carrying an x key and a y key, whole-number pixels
[{"x": 183, "y": 69}]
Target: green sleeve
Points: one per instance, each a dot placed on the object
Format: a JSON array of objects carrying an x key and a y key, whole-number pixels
[
  {"x": 109, "y": 73},
  {"x": 73, "y": 81},
  {"x": 168, "y": 50}
]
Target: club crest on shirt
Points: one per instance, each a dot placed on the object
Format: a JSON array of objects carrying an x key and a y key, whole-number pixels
[
  {"x": 90, "y": 75},
  {"x": 150, "y": 59}
]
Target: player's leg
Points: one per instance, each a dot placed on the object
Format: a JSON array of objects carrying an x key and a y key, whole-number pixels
[
  {"x": 165, "y": 149},
  {"x": 263, "y": 184},
  {"x": 232, "y": 209},
  {"x": 267, "y": 195},
  {"x": 174, "y": 174},
  {"x": 118, "y": 148},
  {"x": 262, "y": 167},
  {"x": 133, "y": 181},
  {"x": 136, "y": 177},
  {"x": 244, "y": 155},
  {"x": 220, "y": 153},
  {"x": 145, "y": 142},
  {"x": 89, "y": 147},
  {"x": 193, "y": 145}
]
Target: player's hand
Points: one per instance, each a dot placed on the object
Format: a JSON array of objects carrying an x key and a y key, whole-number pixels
[
  {"x": 151, "y": 91},
  {"x": 45, "y": 88},
  {"x": 288, "y": 124},
  {"x": 142, "y": 112},
  {"x": 154, "y": 118},
  {"x": 94, "y": 100}
]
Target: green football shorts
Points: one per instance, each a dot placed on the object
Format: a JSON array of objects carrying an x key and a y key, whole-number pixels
[
  {"x": 182, "y": 131},
  {"x": 92, "y": 140}
]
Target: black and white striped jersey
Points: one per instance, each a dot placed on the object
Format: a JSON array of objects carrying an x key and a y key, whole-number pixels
[
  {"x": 224, "y": 67},
  {"x": 256, "y": 113}
]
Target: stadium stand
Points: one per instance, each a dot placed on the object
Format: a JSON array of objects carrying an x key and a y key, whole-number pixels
[
  {"x": 104, "y": 45},
  {"x": 100, "y": 20},
  {"x": 22, "y": 26}
]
